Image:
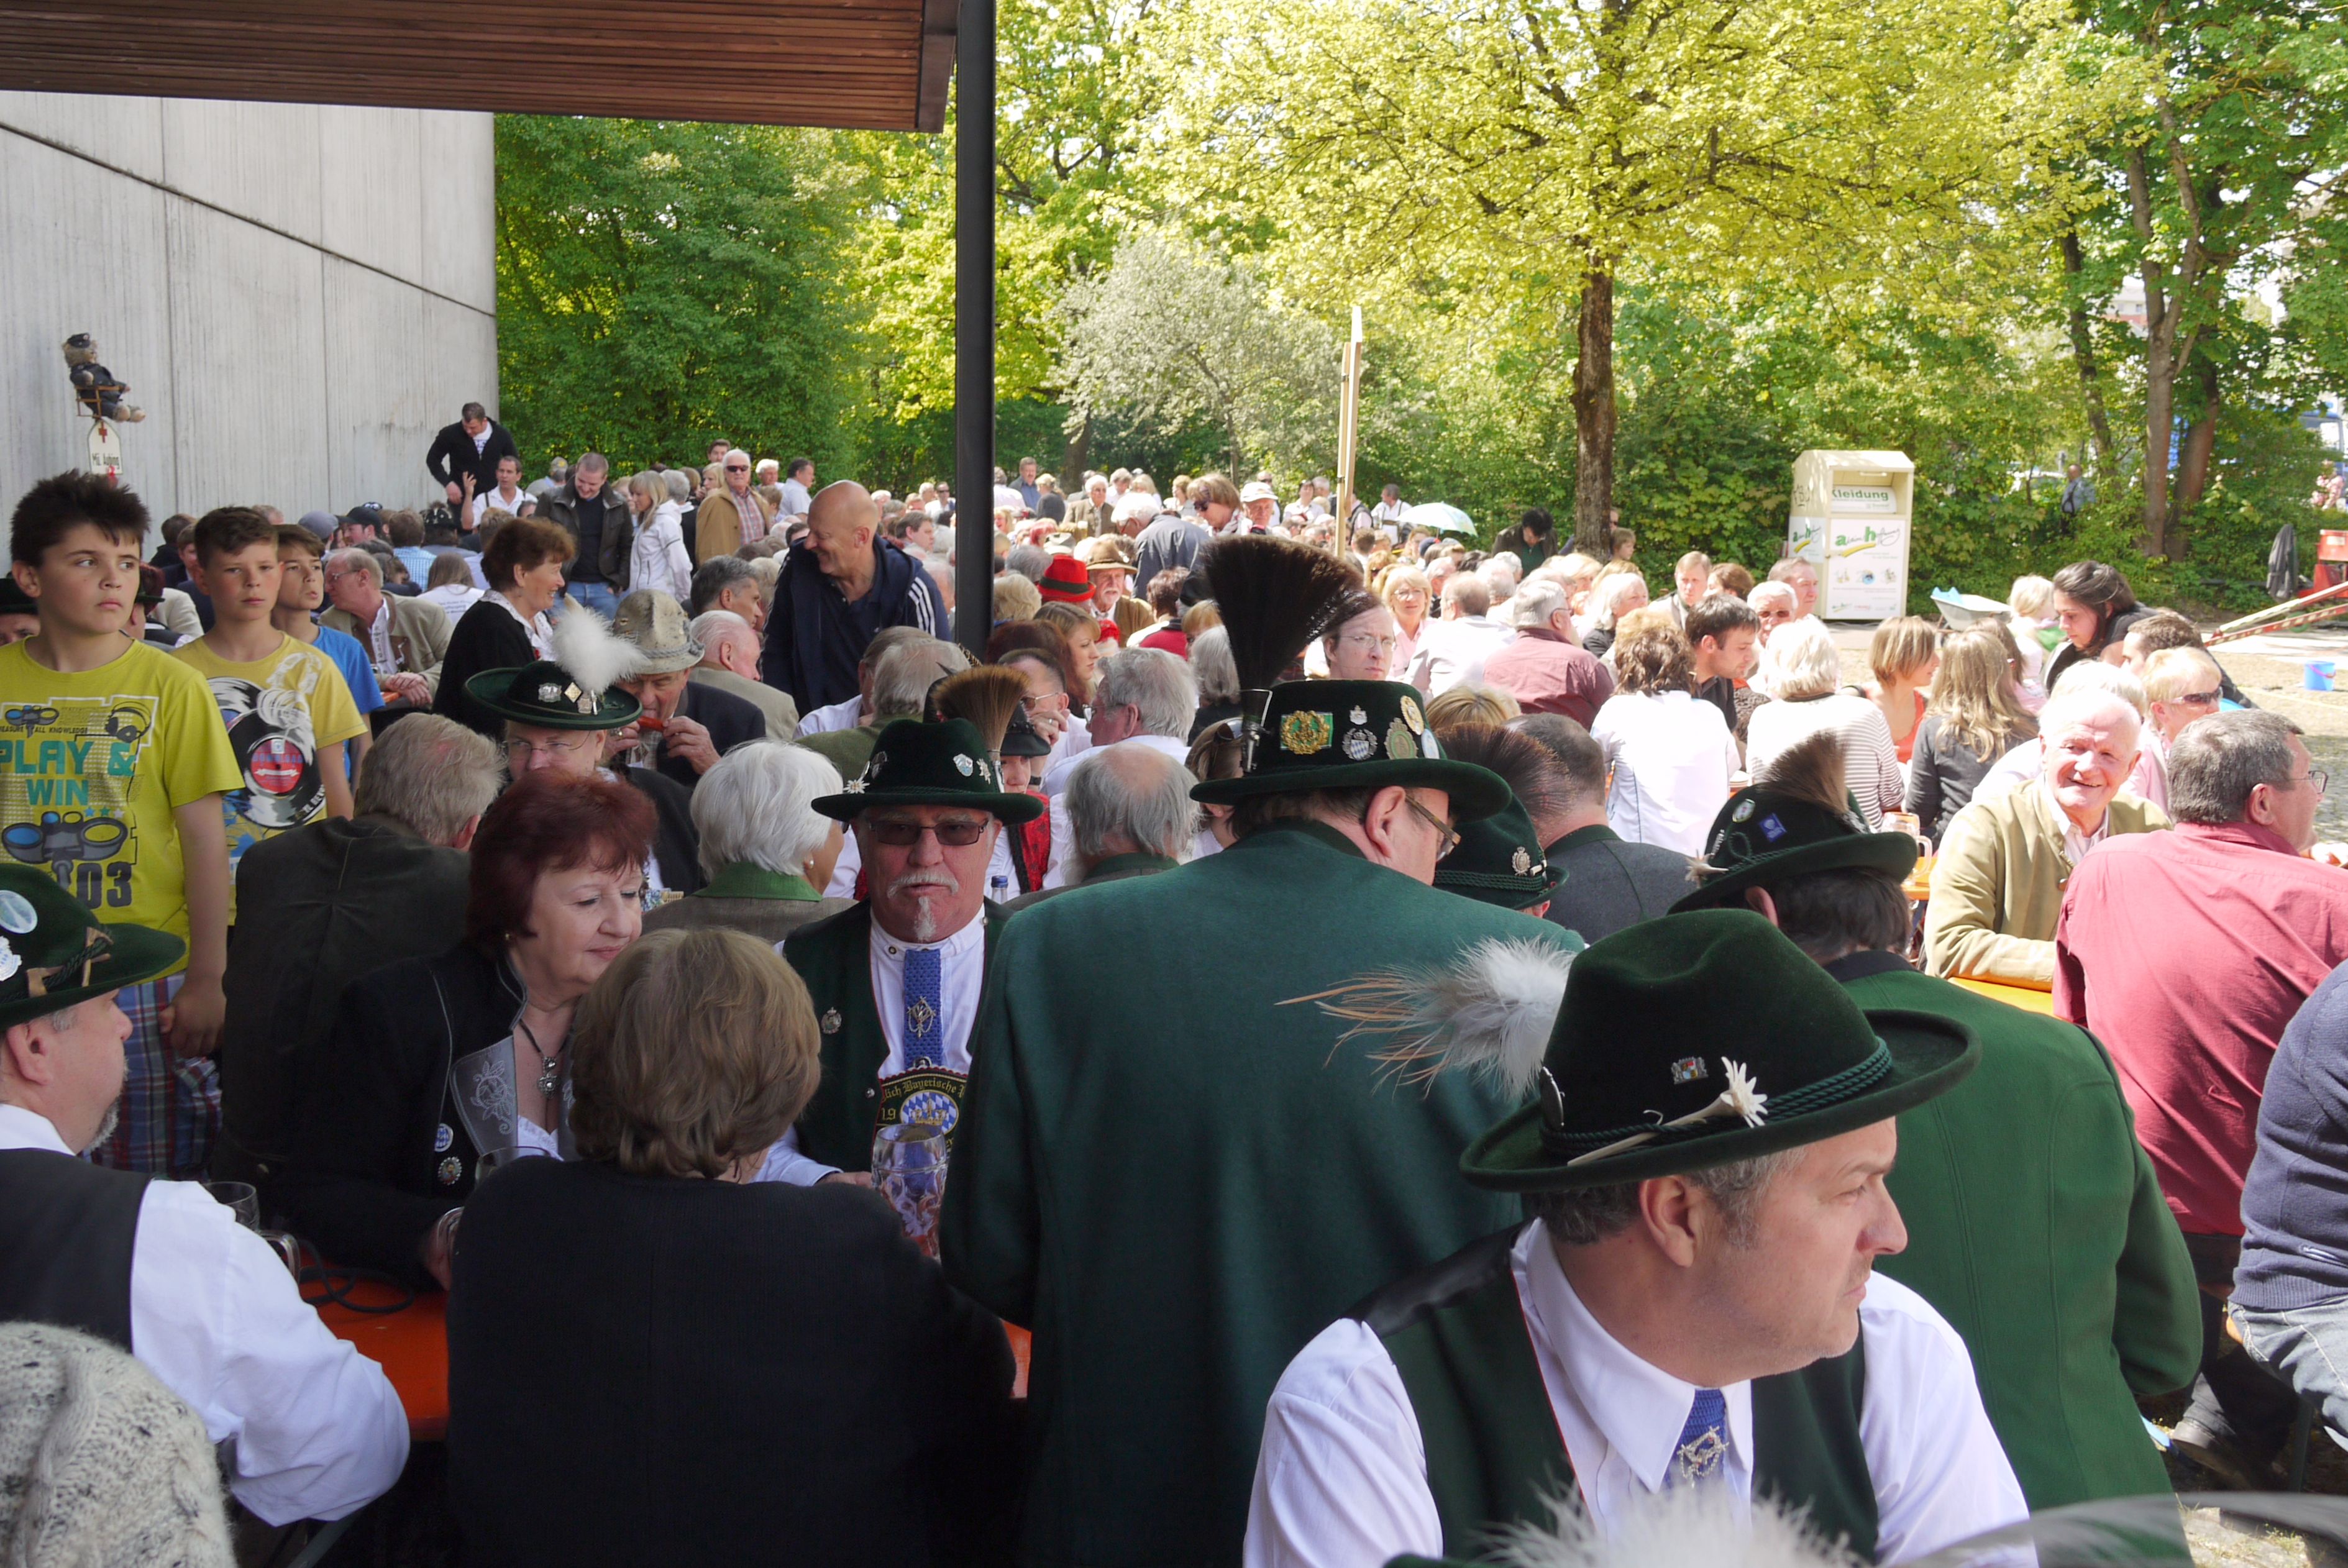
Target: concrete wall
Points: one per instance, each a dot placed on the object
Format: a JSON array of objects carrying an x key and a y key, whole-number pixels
[{"x": 299, "y": 295}]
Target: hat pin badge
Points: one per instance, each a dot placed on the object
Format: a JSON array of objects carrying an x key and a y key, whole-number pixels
[
  {"x": 16, "y": 916},
  {"x": 1742, "y": 1098},
  {"x": 963, "y": 764},
  {"x": 9, "y": 962}
]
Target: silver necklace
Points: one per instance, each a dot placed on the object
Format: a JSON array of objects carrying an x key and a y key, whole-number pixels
[{"x": 550, "y": 1068}]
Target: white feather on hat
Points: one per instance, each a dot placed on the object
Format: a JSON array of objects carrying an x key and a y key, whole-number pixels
[
  {"x": 590, "y": 655},
  {"x": 1490, "y": 1010}
]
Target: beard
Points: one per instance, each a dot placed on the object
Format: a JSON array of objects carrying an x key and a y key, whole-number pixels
[
  {"x": 105, "y": 1128},
  {"x": 926, "y": 887}
]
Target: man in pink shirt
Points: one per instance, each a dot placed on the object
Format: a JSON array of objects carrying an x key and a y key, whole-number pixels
[
  {"x": 2186, "y": 953},
  {"x": 1545, "y": 669}
]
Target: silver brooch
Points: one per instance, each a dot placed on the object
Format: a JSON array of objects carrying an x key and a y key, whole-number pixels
[
  {"x": 831, "y": 1024},
  {"x": 1359, "y": 716},
  {"x": 1521, "y": 862}
]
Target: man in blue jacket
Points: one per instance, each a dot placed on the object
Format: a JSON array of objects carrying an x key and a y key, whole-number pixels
[{"x": 840, "y": 586}]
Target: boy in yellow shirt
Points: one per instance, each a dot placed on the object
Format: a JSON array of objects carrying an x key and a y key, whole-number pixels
[
  {"x": 288, "y": 711},
  {"x": 112, "y": 769}
]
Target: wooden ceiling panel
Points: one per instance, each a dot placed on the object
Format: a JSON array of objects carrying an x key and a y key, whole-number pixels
[{"x": 866, "y": 65}]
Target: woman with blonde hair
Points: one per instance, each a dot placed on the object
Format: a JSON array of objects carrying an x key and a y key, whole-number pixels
[
  {"x": 1903, "y": 653},
  {"x": 655, "y": 1287},
  {"x": 1975, "y": 717},
  {"x": 1806, "y": 672},
  {"x": 1466, "y": 704},
  {"x": 1671, "y": 754},
  {"x": 1082, "y": 632},
  {"x": 656, "y": 556},
  {"x": 1409, "y": 596}
]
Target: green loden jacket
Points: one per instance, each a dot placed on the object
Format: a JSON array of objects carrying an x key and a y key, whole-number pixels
[
  {"x": 834, "y": 957},
  {"x": 1176, "y": 1173},
  {"x": 2036, "y": 1228}
]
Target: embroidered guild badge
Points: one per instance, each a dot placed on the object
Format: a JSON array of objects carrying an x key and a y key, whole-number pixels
[
  {"x": 443, "y": 1136},
  {"x": 16, "y": 916},
  {"x": 1303, "y": 735},
  {"x": 450, "y": 1170},
  {"x": 1412, "y": 716},
  {"x": 1688, "y": 1069},
  {"x": 963, "y": 764},
  {"x": 1771, "y": 828},
  {"x": 1521, "y": 862},
  {"x": 1401, "y": 744},
  {"x": 831, "y": 1024},
  {"x": 1743, "y": 812},
  {"x": 1359, "y": 744}
]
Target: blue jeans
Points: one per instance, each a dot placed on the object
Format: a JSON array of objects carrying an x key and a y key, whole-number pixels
[{"x": 596, "y": 596}]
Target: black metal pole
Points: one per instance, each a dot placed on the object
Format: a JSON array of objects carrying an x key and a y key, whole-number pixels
[{"x": 974, "y": 325}]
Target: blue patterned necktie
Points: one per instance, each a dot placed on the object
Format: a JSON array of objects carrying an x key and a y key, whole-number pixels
[
  {"x": 925, "y": 1008},
  {"x": 1704, "y": 1442}
]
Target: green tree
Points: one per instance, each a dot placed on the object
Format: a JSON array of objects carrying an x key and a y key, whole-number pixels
[
  {"x": 660, "y": 283},
  {"x": 1557, "y": 147},
  {"x": 1167, "y": 335},
  {"x": 2231, "y": 169}
]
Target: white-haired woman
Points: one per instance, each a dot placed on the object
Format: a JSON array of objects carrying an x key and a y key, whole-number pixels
[
  {"x": 766, "y": 852},
  {"x": 657, "y": 557},
  {"x": 1614, "y": 597},
  {"x": 1806, "y": 669}
]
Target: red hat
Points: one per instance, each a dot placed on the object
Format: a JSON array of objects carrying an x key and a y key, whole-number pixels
[{"x": 1066, "y": 581}]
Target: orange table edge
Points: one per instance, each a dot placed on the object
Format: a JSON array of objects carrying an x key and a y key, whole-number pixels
[{"x": 411, "y": 1346}]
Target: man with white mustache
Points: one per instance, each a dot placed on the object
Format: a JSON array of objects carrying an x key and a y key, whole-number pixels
[{"x": 895, "y": 981}]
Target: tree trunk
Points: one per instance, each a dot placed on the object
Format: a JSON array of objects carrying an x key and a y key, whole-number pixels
[
  {"x": 2159, "y": 362},
  {"x": 2082, "y": 353},
  {"x": 1072, "y": 461},
  {"x": 2200, "y": 445},
  {"x": 1594, "y": 416}
]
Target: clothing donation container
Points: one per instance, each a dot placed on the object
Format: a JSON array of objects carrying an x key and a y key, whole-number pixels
[{"x": 1849, "y": 519}]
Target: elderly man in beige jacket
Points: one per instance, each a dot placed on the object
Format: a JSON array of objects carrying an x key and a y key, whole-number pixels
[{"x": 1997, "y": 887}]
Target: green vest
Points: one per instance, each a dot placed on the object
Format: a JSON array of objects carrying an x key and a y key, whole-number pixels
[
  {"x": 834, "y": 957},
  {"x": 1494, "y": 1454}
]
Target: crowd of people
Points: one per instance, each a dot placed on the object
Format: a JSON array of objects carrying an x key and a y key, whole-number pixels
[{"x": 1411, "y": 1030}]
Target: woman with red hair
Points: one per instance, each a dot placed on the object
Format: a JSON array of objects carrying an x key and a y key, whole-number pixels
[{"x": 435, "y": 1064}]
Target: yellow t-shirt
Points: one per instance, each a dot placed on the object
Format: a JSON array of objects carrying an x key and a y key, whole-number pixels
[
  {"x": 91, "y": 767},
  {"x": 279, "y": 712}
]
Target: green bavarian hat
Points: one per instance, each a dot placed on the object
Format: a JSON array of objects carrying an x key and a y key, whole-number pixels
[
  {"x": 1499, "y": 860},
  {"x": 547, "y": 695},
  {"x": 1354, "y": 734},
  {"x": 1700, "y": 1039},
  {"x": 55, "y": 953},
  {"x": 1789, "y": 825},
  {"x": 917, "y": 764}
]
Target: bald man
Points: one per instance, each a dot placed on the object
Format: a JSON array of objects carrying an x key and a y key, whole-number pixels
[{"x": 840, "y": 585}]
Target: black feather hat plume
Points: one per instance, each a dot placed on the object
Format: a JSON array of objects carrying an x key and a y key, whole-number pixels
[{"x": 1275, "y": 596}]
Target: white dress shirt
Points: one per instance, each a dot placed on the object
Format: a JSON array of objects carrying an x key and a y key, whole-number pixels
[
  {"x": 541, "y": 629},
  {"x": 1672, "y": 756},
  {"x": 838, "y": 716},
  {"x": 318, "y": 1428},
  {"x": 502, "y": 500},
  {"x": 1452, "y": 653},
  {"x": 1341, "y": 1479},
  {"x": 1056, "y": 785}
]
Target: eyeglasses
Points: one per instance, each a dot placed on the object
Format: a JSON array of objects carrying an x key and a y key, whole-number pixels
[
  {"x": 522, "y": 750},
  {"x": 737, "y": 467},
  {"x": 2316, "y": 779},
  {"x": 1450, "y": 834},
  {"x": 1367, "y": 640},
  {"x": 958, "y": 833}
]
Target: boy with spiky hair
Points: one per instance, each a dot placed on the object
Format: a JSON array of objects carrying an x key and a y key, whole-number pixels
[
  {"x": 112, "y": 769},
  {"x": 288, "y": 711}
]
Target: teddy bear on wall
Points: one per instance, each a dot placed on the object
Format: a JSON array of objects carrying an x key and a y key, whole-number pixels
[{"x": 94, "y": 387}]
